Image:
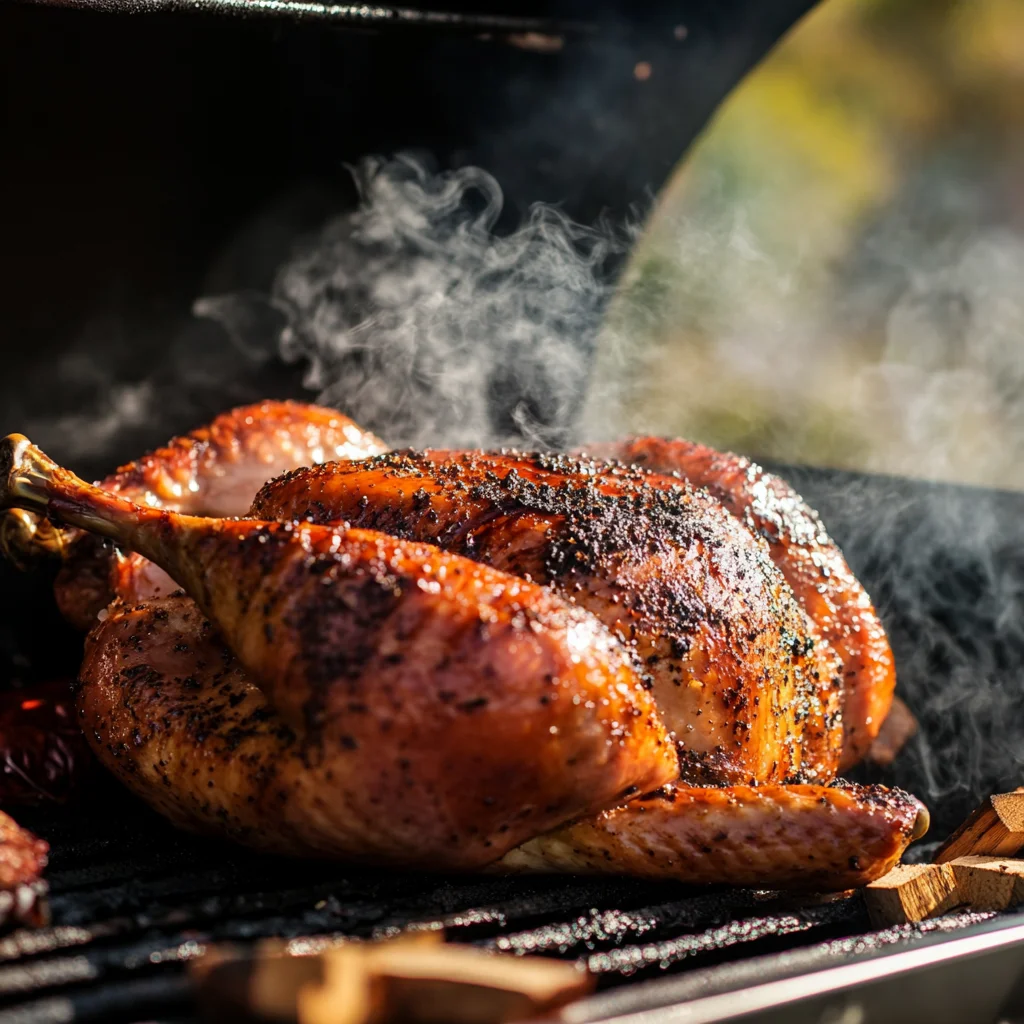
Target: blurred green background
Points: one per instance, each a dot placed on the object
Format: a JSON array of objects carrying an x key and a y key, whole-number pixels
[{"x": 835, "y": 274}]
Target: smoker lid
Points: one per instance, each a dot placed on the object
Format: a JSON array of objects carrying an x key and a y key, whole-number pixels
[
  {"x": 569, "y": 18},
  {"x": 486, "y": 18}
]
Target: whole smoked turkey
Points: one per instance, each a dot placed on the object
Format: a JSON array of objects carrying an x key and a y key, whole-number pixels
[{"x": 229, "y": 718}]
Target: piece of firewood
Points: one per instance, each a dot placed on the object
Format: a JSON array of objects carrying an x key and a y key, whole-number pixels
[
  {"x": 263, "y": 982},
  {"x": 911, "y": 892},
  {"x": 899, "y": 726},
  {"x": 348, "y": 992},
  {"x": 437, "y": 985},
  {"x": 989, "y": 883},
  {"x": 463, "y": 985},
  {"x": 265, "y": 987},
  {"x": 995, "y": 829}
]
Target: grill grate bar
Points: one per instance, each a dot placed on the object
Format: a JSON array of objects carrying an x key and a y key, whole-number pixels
[
  {"x": 133, "y": 900},
  {"x": 146, "y": 954},
  {"x": 694, "y": 913},
  {"x": 626, "y": 961}
]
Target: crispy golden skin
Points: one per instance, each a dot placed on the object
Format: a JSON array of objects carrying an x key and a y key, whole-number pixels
[
  {"x": 787, "y": 837},
  {"x": 174, "y": 715},
  {"x": 737, "y": 668},
  {"x": 402, "y": 766},
  {"x": 423, "y": 677},
  {"x": 213, "y": 471},
  {"x": 165, "y": 702},
  {"x": 809, "y": 559}
]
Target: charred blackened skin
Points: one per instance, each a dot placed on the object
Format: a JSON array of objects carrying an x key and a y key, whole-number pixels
[
  {"x": 43, "y": 756},
  {"x": 738, "y": 670}
]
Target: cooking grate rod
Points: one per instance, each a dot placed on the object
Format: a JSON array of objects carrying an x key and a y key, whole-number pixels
[
  {"x": 134, "y": 900},
  {"x": 975, "y": 976}
]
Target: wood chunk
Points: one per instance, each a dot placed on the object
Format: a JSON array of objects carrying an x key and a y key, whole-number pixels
[
  {"x": 912, "y": 892},
  {"x": 348, "y": 992},
  {"x": 463, "y": 985},
  {"x": 989, "y": 883},
  {"x": 412, "y": 979},
  {"x": 274, "y": 987},
  {"x": 899, "y": 726},
  {"x": 995, "y": 829},
  {"x": 440, "y": 985},
  {"x": 260, "y": 988},
  {"x": 264, "y": 983}
]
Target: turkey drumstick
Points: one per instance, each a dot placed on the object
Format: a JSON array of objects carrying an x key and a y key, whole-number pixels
[{"x": 455, "y": 710}]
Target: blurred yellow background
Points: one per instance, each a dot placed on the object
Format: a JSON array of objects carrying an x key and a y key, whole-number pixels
[{"x": 835, "y": 274}]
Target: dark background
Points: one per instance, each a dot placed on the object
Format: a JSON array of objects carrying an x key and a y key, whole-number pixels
[
  {"x": 152, "y": 158},
  {"x": 147, "y": 159}
]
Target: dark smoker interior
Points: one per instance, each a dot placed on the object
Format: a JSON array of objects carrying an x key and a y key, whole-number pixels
[
  {"x": 153, "y": 159},
  {"x": 149, "y": 161}
]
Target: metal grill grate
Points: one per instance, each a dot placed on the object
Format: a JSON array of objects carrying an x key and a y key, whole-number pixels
[{"x": 133, "y": 900}]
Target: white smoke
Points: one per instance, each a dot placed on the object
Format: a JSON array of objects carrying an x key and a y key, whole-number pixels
[
  {"x": 425, "y": 325},
  {"x": 891, "y": 344}
]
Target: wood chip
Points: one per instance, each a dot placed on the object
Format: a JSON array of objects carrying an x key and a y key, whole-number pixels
[
  {"x": 899, "y": 726},
  {"x": 463, "y": 985},
  {"x": 260, "y": 988},
  {"x": 412, "y": 979},
  {"x": 347, "y": 993},
  {"x": 989, "y": 883},
  {"x": 911, "y": 892},
  {"x": 264, "y": 982},
  {"x": 995, "y": 829}
]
